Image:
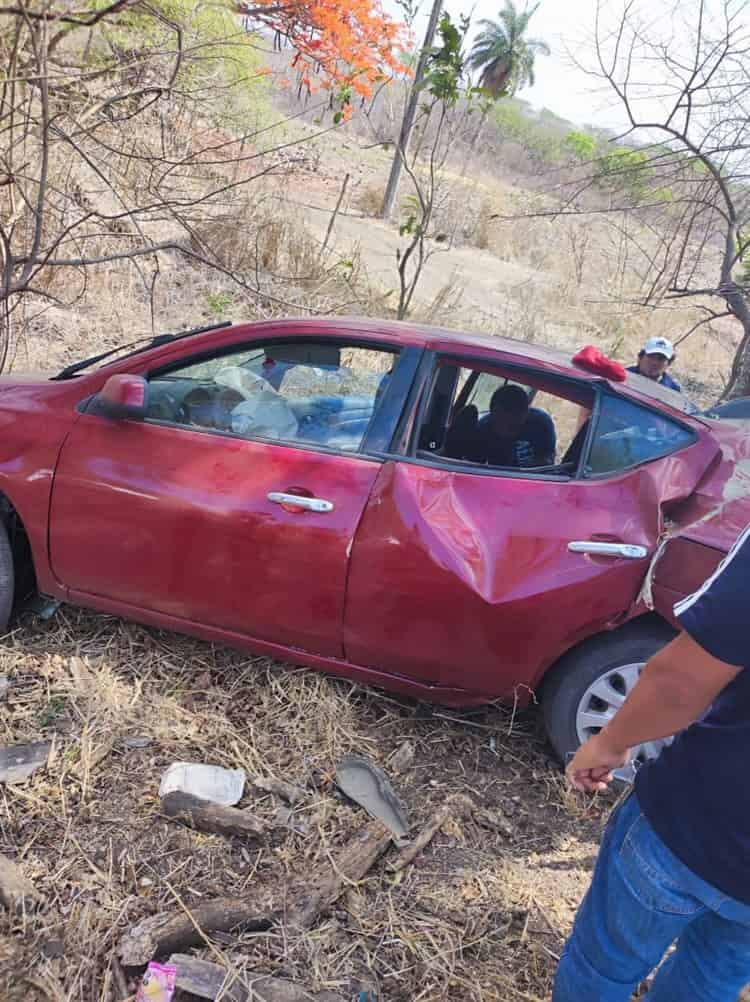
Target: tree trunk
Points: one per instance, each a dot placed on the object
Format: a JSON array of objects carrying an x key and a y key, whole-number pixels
[
  {"x": 739, "y": 379},
  {"x": 411, "y": 113},
  {"x": 734, "y": 297}
]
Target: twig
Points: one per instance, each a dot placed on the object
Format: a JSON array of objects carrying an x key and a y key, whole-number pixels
[
  {"x": 335, "y": 214},
  {"x": 456, "y": 807},
  {"x": 119, "y": 975},
  {"x": 169, "y": 932}
]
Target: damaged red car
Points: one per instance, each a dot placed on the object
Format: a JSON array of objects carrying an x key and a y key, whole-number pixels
[{"x": 314, "y": 490}]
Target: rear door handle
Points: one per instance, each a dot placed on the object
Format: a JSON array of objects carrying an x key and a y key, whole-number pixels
[
  {"x": 296, "y": 501},
  {"x": 628, "y": 550}
]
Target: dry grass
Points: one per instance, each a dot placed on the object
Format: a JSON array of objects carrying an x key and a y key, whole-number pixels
[
  {"x": 370, "y": 198},
  {"x": 479, "y": 916},
  {"x": 443, "y": 306}
]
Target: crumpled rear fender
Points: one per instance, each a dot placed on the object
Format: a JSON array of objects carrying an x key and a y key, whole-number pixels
[{"x": 700, "y": 530}]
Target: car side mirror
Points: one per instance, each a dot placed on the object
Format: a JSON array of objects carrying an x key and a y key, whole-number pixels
[{"x": 123, "y": 396}]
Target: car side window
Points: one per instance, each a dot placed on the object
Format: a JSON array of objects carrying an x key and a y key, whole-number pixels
[
  {"x": 504, "y": 420},
  {"x": 318, "y": 393},
  {"x": 627, "y": 434}
]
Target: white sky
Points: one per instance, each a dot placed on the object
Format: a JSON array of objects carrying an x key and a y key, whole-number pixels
[{"x": 567, "y": 26}]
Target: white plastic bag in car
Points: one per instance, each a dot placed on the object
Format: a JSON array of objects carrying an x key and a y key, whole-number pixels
[{"x": 264, "y": 411}]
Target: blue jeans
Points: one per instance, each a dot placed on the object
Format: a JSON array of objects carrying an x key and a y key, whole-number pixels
[{"x": 642, "y": 899}]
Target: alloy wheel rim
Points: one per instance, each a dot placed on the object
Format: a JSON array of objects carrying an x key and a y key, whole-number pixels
[{"x": 601, "y": 701}]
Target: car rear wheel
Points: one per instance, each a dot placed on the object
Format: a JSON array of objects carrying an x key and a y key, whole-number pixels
[
  {"x": 7, "y": 580},
  {"x": 589, "y": 685}
]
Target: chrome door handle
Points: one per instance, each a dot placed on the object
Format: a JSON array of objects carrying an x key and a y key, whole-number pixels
[
  {"x": 300, "y": 501},
  {"x": 627, "y": 550}
]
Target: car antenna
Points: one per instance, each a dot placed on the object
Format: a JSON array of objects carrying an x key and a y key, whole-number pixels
[{"x": 142, "y": 344}]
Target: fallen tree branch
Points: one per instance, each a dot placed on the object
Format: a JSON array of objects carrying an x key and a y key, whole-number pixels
[
  {"x": 311, "y": 896},
  {"x": 170, "y": 931},
  {"x": 455, "y": 807},
  {"x": 209, "y": 817},
  {"x": 317, "y": 892},
  {"x": 207, "y": 980}
]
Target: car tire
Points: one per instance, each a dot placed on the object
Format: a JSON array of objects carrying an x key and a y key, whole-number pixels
[
  {"x": 7, "y": 578},
  {"x": 608, "y": 661}
]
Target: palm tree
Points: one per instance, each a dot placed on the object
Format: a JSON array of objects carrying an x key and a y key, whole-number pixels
[
  {"x": 503, "y": 54},
  {"x": 505, "y": 58}
]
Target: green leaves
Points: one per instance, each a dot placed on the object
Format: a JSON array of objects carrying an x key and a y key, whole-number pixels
[
  {"x": 445, "y": 66},
  {"x": 616, "y": 168},
  {"x": 503, "y": 54},
  {"x": 582, "y": 145},
  {"x": 409, "y": 227}
]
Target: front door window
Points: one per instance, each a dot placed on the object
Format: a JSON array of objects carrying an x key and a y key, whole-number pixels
[{"x": 294, "y": 392}]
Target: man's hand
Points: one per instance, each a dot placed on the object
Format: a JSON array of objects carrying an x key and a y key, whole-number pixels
[
  {"x": 592, "y": 765},
  {"x": 677, "y": 685}
]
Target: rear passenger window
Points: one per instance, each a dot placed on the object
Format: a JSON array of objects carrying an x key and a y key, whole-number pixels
[
  {"x": 504, "y": 420},
  {"x": 627, "y": 435},
  {"x": 324, "y": 394}
]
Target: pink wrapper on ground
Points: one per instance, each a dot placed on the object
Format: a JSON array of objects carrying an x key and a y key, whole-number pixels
[{"x": 158, "y": 983}]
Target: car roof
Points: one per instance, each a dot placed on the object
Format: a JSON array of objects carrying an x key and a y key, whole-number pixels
[{"x": 422, "y": 335}]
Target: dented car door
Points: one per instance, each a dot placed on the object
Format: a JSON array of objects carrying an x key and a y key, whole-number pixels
[{"x": 465, "y": 579}]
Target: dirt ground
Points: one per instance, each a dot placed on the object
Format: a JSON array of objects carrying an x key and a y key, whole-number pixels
[{"x": 481, "y": 914}]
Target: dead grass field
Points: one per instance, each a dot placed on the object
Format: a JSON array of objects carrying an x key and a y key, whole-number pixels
[{"x": 480, "y": 915}]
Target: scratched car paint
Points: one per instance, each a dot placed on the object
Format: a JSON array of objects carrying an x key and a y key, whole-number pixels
[{"x": 433, "y": 577}]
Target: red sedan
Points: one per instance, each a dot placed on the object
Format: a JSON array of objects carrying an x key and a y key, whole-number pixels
[{"x": 454, "y": 517}]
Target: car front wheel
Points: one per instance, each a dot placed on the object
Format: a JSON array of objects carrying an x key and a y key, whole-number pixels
[{"x": 589, "y": 684}]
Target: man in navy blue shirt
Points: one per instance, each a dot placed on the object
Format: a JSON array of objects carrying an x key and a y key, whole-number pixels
[
  {"x": 513, "y": 433},
  {"x": 654, "y": 359},
  {"x": 675, "y": 859}
]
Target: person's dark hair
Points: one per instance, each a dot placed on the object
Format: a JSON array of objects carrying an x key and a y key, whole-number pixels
[{"x": 511, "y": 399}]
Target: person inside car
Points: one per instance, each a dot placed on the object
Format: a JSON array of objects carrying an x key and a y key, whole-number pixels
[
  {"x": 513, "y": 433},
  {"x": 654, "y": 359}
]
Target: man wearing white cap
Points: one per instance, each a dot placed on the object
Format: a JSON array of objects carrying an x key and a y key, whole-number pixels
[{"x": 654, "y": 359}]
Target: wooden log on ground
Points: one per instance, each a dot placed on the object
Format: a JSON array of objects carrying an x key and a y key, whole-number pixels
[
  {"x": 313, "y": 895},
  {"x": 455, "y": 807},
  {"x": 209, "y": 817},
  {"x": 172, "y": 931},
  {"x": 17, "y": 892},
  {"x": 206, "y": 980},
  {"x": 307, "y": 899}
]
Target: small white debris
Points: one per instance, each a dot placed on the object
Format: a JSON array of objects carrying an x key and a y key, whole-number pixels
[{"x": 209, "y": 782}]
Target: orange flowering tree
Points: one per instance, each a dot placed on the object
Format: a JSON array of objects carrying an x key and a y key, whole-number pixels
[{"x": 343, "y": 45}]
